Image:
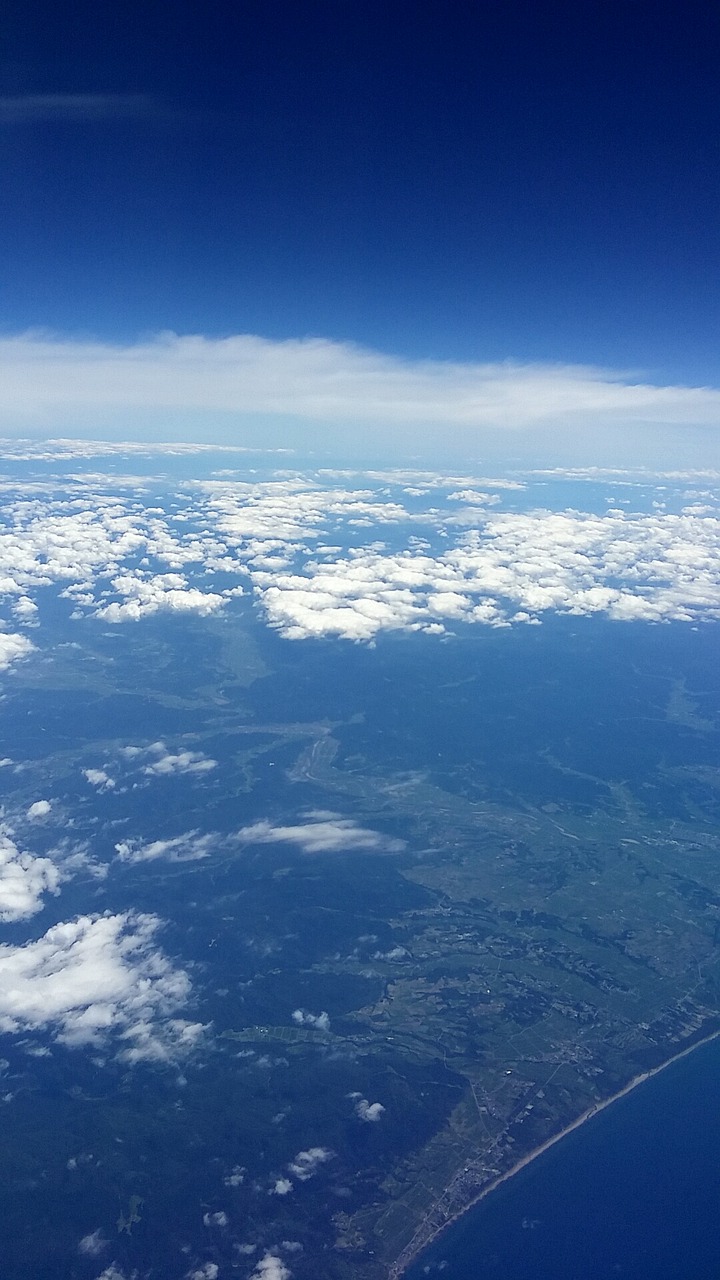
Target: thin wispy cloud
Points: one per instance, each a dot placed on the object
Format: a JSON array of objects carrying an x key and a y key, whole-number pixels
[
  {"x": 37, "y": 108},
  {"x": 46, "y": 379}
]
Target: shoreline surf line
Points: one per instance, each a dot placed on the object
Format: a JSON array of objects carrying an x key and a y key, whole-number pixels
[{"x": 403, "y": 1262}]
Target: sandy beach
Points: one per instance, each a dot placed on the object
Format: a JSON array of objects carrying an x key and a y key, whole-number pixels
[{"x": 416, "y": 1247}]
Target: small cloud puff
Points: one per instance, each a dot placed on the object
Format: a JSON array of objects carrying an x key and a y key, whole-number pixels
[
  {"x": 271, "y": 1267},
  {"x": 307, "y": 1163},
  {"x": 40, "y": 809},
  {"x": 166, "y": 762},
  {"x": 282, "y": 1187},
  {"x": 219, "y": 1219},
  {"x": 369, "y": 1111},
  {"x": 13, "y": 647},
  {"x": 323, "y": 832},
  {"x": 305, "y": 1019},
  {"x": 209, "y": 1271},
  {"x": 99, "y": 778}
]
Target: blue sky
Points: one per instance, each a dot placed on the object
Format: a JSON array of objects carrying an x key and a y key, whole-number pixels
[{"x": 473, "y": 182}]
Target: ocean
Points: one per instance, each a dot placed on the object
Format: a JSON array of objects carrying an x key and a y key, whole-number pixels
[{"x": 634, "y": 1194}]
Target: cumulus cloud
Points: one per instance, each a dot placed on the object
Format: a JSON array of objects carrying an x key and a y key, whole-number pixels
[
  {"x": 369, "y": 1111},
  {"x": 13, "y": 647},
  {"x": 89, "y": 544},
  {"x": 208, "y": 1271},
  {"x": 282, "y": 1187},
  {"x": 166, "y": 762},
  {"x": 322, "y": 833},
  {"x": 305, "y": 1019},
  {"x": 311, "y": 552},
  {"x": 25, "y": 609},
  {"x": 94, "y": 977},
  {"x": 306, "y": 1163},
  {"x": 39, "y": 809},
  {"x": 191, "y": 846},
  {"x": 23, "y": 880},
  {"x": 49, "y": 380},
  {"x": 512, "y": 568},
  {"x": 167, "y": 592},
  {"x": 99, "y": 778},
  {"x": 271, "y": 1267}
]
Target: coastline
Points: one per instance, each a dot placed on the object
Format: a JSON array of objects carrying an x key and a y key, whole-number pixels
[{"x": 413, "y": 1252}]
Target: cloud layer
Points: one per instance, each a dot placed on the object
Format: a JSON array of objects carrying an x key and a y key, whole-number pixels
[
  {"x": 46, "y": 378},
  {"x": 409, "y": 551},
  {"x": 510, "y": 568}
]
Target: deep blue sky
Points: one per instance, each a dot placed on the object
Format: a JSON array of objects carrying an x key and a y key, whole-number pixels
[{"x": 476, "y": 180}]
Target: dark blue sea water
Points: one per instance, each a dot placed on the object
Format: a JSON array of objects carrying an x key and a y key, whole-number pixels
[{"x": 632, "y": 1195}]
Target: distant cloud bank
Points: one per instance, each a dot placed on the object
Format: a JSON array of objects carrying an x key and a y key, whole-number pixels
[{"x": 49, "y": 380}]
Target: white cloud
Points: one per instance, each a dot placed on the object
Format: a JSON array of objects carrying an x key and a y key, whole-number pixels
[
  {"x": 307, "y": 1163},
  {"x": 13, "y": 647},
  {"x": 51, "y": 381},
  {"x": 270, "y": 1267},
  {"x": 304, "y": 1019},
  {"x": 112, "y": 544},
  {"x": 329, "y": 833},
  {"x": 208, "y": 1271},
  {"x": 25, "y": 609},
  {"x": 167, "y": 592},
  {"x": 474, "y": 497},
  {"x": 39, "y": 809},
  {"x": 23, "y": 880},
  {"x": 282, "y": 1187},
  {"x": 369, "y": 1111},
  {"x": 122, "y": 560},
  {"x": 219, "y": 1219},
  {"x": 515, "y": 566},
  {"x": 165, "y": 762},
  {"x": 93, "y": 1244},
  {"x": 35, "y": 108},
  {"x": 188, "y": 847},
  {"x": 99, "y": 778},
  {"x": 97, "y": 976}
]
